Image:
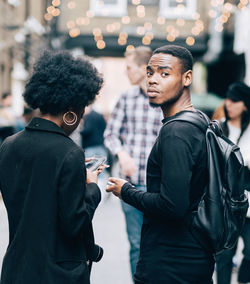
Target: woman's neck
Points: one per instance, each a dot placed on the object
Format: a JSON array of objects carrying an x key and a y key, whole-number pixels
[
  {"x": 235, "y": 122},
  {"x": 56, "y": 119}
]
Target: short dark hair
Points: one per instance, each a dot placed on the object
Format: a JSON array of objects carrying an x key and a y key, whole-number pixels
[
  {"x": 61, "y": 82},
  {"x": 141, "y": 54},
  {"x": 180, "y": 52}
]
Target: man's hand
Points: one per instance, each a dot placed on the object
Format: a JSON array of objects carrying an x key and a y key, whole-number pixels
[
  {"x": 115, "y": 186},
  {"x": 127, "y": 164}
]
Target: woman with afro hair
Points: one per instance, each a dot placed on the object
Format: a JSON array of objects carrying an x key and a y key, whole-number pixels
[{"x": 49, "y": 195}]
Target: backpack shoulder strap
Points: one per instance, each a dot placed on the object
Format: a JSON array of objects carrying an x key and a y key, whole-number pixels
[{"x": 202, "y": 123}]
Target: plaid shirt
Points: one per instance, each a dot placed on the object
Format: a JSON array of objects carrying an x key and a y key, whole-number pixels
[{"x": 133, "y": 126}]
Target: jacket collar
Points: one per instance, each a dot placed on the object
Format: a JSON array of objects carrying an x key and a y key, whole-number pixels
[{"x": 40, "y": 124}]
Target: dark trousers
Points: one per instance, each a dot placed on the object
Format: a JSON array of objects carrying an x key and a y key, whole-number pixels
[{"x": 224, "y": 261}]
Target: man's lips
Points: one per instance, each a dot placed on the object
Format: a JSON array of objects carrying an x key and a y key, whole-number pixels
[{"x": 152, "y": 93}]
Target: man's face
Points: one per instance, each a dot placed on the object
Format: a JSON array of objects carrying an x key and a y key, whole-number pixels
[
  {"x": 135, "y": 73},
  {"x": 165, "y": 79}
]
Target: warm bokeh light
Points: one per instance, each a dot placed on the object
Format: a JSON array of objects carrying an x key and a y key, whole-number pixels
[
  {"x": 70, "y": 24},
  {"x": 74, "y": 32},
  {"x": 126, "y": 20},
  {"x": 212, "y": 13},
  {"x": 50, "y": 9},
  {"x": 82, "y": 21},
  {"x": 170, "y": 38},
  {"x": 90, "y": 14},
  {"x": 56, "y": 3},
  {"x": 136, "y": 2},
  {"x": 97, "y": 31},
  {"x": 190, "y": 40},
  {"x": 71, "y": 5},
  {"x": 161, "y": 21},
  {"x": 180, "y": 22},
  {"x": 110, "y": 28},
  {"x": 48, "y": 17},
  {"x": 101, "y": 44},
  {"x": 56, "y": 12},
  {"x": 130, "y": 47},
  {"x": 148, "y": 26},
  {"x": 122, "y": 41},
  {"x": 140, "y": 30},
  {"x": 146, "y": 40}
]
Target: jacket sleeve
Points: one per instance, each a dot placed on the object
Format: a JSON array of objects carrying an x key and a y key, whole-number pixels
[
  {"x": 172, "y": 200},
  {"x": 76, "y": 201},
  {"x": 115, "y": 127}
]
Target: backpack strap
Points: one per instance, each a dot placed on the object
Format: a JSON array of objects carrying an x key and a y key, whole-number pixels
[
  {"x": 192, "y": 118},
  {"x": 203, "y": 123}
]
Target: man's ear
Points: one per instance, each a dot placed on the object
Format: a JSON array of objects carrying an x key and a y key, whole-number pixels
[{"x": 188, "y": 76}]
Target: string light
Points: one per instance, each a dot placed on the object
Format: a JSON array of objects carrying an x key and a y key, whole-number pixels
[
  {"x": 74, "y": 32},
  {"x": 130, "y": 47},
  {"x": 222, "y": 11},
  {"x": 71, "y": 5},
  {"x": 161, "y": 21},
  {"x": 136, "y": 2},
  {"x": 56, "y": 3},
  {"x": 180, "y": 22},
  {"x": 101, "y": 44},
  {"x": 48, "y": 17},
  {"x": 146, "y": 40},
  {"x": 50, "y": 9},
  {"x": 190, "y": 40},
  {"x": 126, "y": 20},
  {"x": 56, "y": 12},
  {"x": 170, "y": 38}
]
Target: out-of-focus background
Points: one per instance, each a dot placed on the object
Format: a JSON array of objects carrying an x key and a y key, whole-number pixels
[{"x": 217, "y": 32}]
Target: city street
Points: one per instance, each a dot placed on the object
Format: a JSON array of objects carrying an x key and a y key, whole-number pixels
[{"x": 110, "y": 232}]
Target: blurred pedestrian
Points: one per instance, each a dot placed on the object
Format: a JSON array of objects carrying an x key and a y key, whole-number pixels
[
  {"x": 49, "y": 196},
  {"x": 130, "y": 134},
  {"x": 92, "y": 140},
  {"x": 7, "y": 117},
  {"x": 176, "y": 179},
  {"x": 236, "y": 126}
]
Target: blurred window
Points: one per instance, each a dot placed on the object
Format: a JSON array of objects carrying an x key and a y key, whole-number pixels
[
  {"x": 145, "y": 2},
  {"x": 109, "y": 8},
  {"x": 174, "y": 9}
]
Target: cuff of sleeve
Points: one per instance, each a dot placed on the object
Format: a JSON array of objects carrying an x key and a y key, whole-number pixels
[
  {"x": 93, "y": 191},
  {"x": 97, "y": 253},
  {"x": 124, "y": 190}
]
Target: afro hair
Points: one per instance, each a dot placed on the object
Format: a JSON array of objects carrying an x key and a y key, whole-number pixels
[{"x": 61, "y": 82}]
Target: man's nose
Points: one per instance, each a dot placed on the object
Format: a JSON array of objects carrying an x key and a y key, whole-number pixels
[{"x": 152, "y": 79}]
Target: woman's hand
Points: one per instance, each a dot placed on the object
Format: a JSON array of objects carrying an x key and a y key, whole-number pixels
[
  {"x": 91, "y": 176},
  {"x": 115, "y": 186}
]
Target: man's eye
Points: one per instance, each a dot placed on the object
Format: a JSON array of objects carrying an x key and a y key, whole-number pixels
[
  {"x": 149, "y": 73},
  {"x": 164, "y": 74}
]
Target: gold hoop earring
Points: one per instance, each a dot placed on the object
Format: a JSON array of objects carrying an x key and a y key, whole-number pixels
[{"x": 70, "y": 121}]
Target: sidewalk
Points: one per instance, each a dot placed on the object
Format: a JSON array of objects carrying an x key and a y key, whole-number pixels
[{"x": 110, "y": 232}]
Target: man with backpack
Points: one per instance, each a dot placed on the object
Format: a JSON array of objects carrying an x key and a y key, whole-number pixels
[{"x": 178, "y": 182}]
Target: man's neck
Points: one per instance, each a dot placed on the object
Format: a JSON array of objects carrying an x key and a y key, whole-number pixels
[{"x": 183, "y": 103}]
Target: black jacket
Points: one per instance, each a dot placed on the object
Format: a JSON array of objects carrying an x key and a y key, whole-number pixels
[{"x": 50, "y": 208}]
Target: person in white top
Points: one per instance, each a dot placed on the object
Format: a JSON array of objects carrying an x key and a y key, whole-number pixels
[{"x": 236, "y": 126}]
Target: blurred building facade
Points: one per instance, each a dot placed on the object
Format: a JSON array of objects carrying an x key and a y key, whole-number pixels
[
  {"x": 103, "y": 28},
  {"x": 22, "y": 32}
]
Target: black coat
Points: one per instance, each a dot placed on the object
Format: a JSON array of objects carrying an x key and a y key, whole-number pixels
[{"x": 50, "y": 208}]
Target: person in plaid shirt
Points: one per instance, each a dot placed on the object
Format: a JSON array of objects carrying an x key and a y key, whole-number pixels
[{"x": 130, "y": 134}]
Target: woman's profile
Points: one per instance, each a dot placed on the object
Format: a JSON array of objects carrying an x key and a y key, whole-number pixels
[{"x": 49, "y": 195}]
